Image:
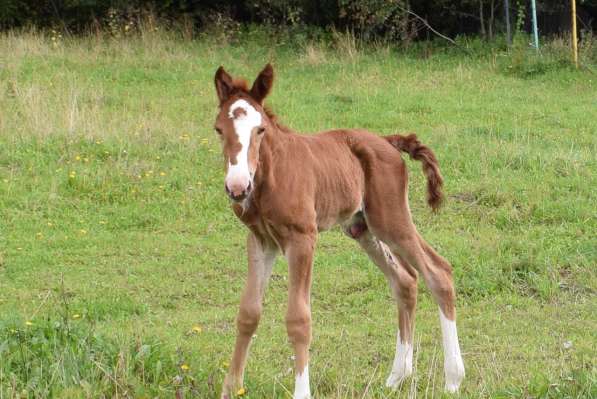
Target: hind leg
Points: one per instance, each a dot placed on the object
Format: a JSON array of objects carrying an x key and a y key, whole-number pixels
[
  {"x": 388, "y": 217},
  {"x": 441, "y": 278},
  {"x": 402, "y": 279},
  {"x": 437, "y": 274}
]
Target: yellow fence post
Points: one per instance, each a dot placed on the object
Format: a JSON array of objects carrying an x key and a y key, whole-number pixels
[{"x": 574, "y": 38}]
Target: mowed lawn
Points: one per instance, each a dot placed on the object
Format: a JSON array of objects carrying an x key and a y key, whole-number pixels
[{"x": 121, "y": 264}]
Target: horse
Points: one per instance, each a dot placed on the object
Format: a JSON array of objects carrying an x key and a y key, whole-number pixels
[{"x": 286, "y": 188}]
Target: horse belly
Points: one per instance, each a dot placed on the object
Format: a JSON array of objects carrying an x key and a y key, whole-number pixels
[{"x": 338, "y": 203}]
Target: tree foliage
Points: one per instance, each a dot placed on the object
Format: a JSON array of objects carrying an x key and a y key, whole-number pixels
[{"x": 393, "y": 19}]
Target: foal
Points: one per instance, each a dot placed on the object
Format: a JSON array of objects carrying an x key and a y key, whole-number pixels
[{"x": 286, "y": 187}]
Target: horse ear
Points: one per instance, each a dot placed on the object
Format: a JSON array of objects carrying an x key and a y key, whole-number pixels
[
  {"x": 263, "y": 84},
  {"x": 224, "y": 84}
]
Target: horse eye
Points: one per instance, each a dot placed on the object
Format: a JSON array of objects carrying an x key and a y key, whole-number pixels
[
  {"x": 260, "y": 130},
  {"x": 218, "y": 131}
]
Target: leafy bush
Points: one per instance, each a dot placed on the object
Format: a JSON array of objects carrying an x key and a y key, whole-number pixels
[
  {"x": 374, "y": 18},
  {"x": 369, "y": 19}
]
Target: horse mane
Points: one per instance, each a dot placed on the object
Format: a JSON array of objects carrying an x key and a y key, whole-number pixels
[{"x": 274, "y": 119}]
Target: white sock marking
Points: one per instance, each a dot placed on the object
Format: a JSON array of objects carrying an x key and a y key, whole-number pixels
[
  {"x": 403, "y": 363},
  {"x": 453, "y": 365},
  {"x": 301, "y": 385},
  {"x": 243, "y": 126}
]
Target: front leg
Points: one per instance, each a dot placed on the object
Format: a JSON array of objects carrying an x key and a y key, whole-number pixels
[
  {"x": 298, "y": 318},
  {"x": 261, "y": 259}
]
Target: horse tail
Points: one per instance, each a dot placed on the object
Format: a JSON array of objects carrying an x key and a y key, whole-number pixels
[{"x": 417, "y": 151}]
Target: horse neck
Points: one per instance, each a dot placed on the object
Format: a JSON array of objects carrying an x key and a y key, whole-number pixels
[{"x": 273, "y": 140}]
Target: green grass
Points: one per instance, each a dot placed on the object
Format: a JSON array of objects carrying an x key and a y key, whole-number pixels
[{"x": 116, "y": 237}]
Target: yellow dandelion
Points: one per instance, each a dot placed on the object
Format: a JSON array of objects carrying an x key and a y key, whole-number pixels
[
  {"x": 50, "y": 224},
  {"x": 161, "y": 187},
  {"x": 98, "y": 142},
  {"x": 28, "y": 323},
  {"x": 83, "y": 231},
  {"x": 102, "y": 222},
  {"x": 78, "y": 158},
  {"x": 184, "y": 367},
  {"x": 76, "y": 316},
  {"x": 72, "y": 174},
  {"x": 158, "y": 157},
  {"x": 225, "y": 364},
  {"x": 162, "y": 173},
  {"x": 241, "y": 392},
  {"x": 19, "y": 249},
  {"x": 86, "y": 159},
  {"x": 39, "y": 234},
  {"x": 106, "y": 152},
  {"x": 5, "y": 180},
  {"x": 197, "y": 329}
]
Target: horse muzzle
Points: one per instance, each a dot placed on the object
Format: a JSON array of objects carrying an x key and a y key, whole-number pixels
[{"x": 238, "y": 192}]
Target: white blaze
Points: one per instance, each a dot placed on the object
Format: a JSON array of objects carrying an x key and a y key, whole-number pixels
[
  {"x": 453, "y": 365},
  {"x": 301, "y": 385},
  {"x": 244, "y": 124},
  {"x": 403, "y": 363}
]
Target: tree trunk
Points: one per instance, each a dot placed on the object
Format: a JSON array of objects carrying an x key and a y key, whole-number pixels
[
  {"x": 483, "y": 34},
  {"x": 491, "y": 20},
  {"x": 406, "y": 31},
  {"x": 507, "y": 17}
]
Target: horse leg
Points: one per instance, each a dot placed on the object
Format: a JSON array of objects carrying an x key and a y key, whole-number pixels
[
  {"x": 299, "y": 253},
  {"x": 437, "y": 273},
  {"x": 388, "y": 217},
  {"x": 440, "y": 277},
  {"x": 261, "y": 259},
  {"x": 402, "y": 279}
]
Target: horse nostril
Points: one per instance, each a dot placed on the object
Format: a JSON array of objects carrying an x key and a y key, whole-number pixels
[
  {"x": 238, "y": 197},
  {"x": 237, "y": 192}
]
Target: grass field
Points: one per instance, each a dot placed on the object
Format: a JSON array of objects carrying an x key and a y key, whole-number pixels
[{"x": 121, "y": 263}]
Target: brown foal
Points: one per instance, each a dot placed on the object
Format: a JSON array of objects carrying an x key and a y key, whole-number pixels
[{"x": 286, "y": 187}]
